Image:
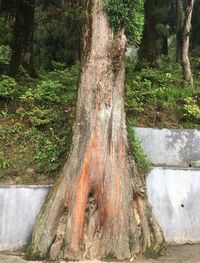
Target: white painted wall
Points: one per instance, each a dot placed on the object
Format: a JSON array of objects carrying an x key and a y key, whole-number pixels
[
  {"x": 19, "y": 207},
  {"x": 168, "y": 189},
  {"x": 171, "y": 147},
  {"x": 174, "y": 195}
]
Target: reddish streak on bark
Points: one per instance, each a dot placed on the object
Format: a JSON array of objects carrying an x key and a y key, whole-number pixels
[
  {"x": 122, "y": 155},
  {"x": 118, "y": 189},
  {"x": 81, "y": 198}
]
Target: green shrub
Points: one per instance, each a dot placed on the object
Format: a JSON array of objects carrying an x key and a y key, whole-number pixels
[
  {"x": 45, "y": 91},
  {"x": 140, "y": 157},
  {"x": 58, "y": 86},
  {"x": 137, "y": 92},
  {"x": 5, "y": 30},
  {"x": 47, "y": 155},
  {"x": 8, "y": 86},
  {"x": 157, "y": 95},
  {"x": 4, "y": 54},
  {"x": 50, "y": 148},
  {"x": 39, "y": 115},
  {"x": 4, "y": 162},
  {"x": 192, "y": 110}
]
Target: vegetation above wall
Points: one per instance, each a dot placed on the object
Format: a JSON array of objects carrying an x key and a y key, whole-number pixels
[
  {"x": 158, "y": 97},
  {"x": 36, "y": 116}
]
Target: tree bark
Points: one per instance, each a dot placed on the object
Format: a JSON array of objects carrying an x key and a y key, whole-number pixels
[
  {"x": 179, "y": 28},
  {"x": 23, "y": 38},
  {"x": 165, "y": 50},
  {"x": 187, "y": 74},
  {"x": 148, "y": 48},
  {"x": 98, "y": 207}
]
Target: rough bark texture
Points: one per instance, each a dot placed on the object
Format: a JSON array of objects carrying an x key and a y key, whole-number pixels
[
  {"x": 23, "y": 38},
  {"x": 187, "y": 74},
  {"x": 98, "y": 207},
  {"x": 149, "y": 49}
]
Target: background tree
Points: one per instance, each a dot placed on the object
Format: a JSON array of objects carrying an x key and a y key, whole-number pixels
[
  {"x": 57, "y": 36},
  {"x": 149, "y": 44},
  {"x": 22, "y": 53},
  {"x": 158, "y": 27},
  {"x": 165, "y": 16},
  {"x": 98, "y": 207},
  {"x": 187, "y": 74},
  {"x": 179, "y": 28},
  {"x": 195, "y": 32}
]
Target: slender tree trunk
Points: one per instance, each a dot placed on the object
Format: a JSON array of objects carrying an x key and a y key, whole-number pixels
[
  {"x": 98, "y": 207},
  {"x": 165, "y": 50},
  {"x": 179, "y": 28},
  {"x": 148, "y": 48},
  {"x": 23, "y": 38},
  {"x": 187, "y": 74}
]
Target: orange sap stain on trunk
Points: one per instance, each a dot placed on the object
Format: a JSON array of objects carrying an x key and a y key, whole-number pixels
[{"x": 81, "y": 198}]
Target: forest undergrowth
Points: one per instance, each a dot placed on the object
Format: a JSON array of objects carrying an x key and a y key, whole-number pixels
[{"x": 36, "y": 115}]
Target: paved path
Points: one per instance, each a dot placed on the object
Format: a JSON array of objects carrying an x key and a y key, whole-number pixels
[{"x": 174, "y": 254}]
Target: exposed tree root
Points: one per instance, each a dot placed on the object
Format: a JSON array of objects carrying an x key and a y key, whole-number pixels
[{"x": 98, "y": 219}]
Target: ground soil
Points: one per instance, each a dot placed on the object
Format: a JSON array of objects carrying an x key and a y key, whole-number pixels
[{"x": 174, "y": 254}]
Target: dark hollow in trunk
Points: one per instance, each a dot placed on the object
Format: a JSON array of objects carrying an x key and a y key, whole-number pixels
[{"x": 98, "y": 207}]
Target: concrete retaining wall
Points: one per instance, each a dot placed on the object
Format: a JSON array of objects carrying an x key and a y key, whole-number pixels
[
  {"x": 174, "y": 195},
  {"x": 173, "y": 187},
  {"x": 171, "y": 147},
  {"x": 19, "y": 207},
  {"x": 173, "y": 192}
]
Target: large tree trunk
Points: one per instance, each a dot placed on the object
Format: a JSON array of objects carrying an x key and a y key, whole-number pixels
[
  {"x": 187, "y": 74},
  {"x": 98, "y": 207},
  {"x": 149, "y": 48},
  {"x": 23, "y": 38}
]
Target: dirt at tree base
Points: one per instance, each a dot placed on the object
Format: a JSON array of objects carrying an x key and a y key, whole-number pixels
[{"x": 174, "y": 254}]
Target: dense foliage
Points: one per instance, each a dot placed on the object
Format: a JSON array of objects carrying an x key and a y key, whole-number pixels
[
  {"x": 128, "y": 14},
  {"x": 56, "y": 38},
  {"x": 36, "y": 119},
  {"x": 156, "y": 97}
]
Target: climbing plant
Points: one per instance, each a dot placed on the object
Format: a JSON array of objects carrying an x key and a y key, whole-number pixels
[{"x": 127, "y": 13}]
